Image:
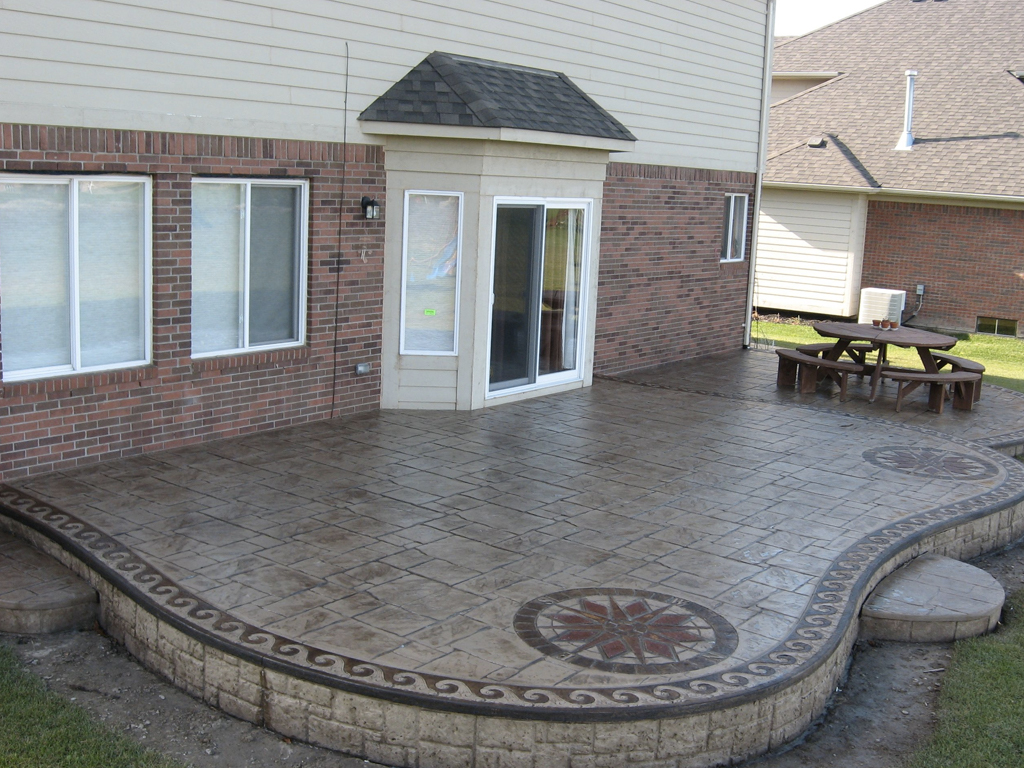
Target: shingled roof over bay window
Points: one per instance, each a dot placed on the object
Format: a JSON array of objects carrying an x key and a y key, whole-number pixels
[{"x": 449, "y": 90}]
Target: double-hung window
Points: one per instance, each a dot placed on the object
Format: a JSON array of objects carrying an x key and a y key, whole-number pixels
[
  {"x": 74, "y": 274},
  {"x": 734, "y": 238},
  {"x": 248, "y": 265}
]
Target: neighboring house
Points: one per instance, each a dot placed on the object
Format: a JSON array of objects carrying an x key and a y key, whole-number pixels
[
  {"x": 529, "y": 193},
  {"x": 844, "y": 209}
]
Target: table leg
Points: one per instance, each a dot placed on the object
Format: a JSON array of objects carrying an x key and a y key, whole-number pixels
[
  {"x": 834, "y": 354},
  {"x": 876, "y": 374},
  {"x": 927, "y": 360}
]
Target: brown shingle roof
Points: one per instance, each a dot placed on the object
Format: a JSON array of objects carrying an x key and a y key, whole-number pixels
[{"x": 968, "y": 107}]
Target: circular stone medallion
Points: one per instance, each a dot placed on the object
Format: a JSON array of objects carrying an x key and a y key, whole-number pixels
[
  {"x": 930, "y": 462},
  {"x": 628, "y": 631}
]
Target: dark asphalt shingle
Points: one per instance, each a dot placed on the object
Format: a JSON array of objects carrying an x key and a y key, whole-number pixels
[
  {"x": 445, "y": 89},
  {"x": 968, "y": 107}
]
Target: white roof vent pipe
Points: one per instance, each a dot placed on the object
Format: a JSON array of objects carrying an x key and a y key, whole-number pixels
[{"x": 907, "y": 138}]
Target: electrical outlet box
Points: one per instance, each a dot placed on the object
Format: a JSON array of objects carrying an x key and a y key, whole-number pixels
[{"x": 920, "y": 289}]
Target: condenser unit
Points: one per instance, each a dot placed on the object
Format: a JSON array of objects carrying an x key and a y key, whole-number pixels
[{"x": 881, "y": 304}]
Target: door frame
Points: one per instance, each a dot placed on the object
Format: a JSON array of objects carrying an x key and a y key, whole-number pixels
[{"x": 562, "y": 377}]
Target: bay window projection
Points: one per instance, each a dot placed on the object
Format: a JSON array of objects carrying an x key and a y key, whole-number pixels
[
  {"x": 431, "y": 252},
  {"x": 539, "y": 267},
  {"x": 74, "y": 274},
  {"x": 248, "y": 265}
]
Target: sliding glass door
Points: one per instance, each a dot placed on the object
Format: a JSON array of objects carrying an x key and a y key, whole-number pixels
[{"x": 537, "y": 298}]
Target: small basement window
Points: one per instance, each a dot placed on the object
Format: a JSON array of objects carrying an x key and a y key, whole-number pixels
[{"x": 998, "y": 326}]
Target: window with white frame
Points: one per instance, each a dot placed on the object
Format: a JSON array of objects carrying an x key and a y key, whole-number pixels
[
  {"x": 74, "y": 274},
  {"x": 734, "y": 237},
  {"x": 431, "y": 245},
  {"x": 248, "y": 265}
]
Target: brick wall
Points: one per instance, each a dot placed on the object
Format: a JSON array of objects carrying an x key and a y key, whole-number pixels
[
  {"x": 663, "y": 293},
  {"x": 971, "y": 260},
  {"x": 65, "y": 421}
]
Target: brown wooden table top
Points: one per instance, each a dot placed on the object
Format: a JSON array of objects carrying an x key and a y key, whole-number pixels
[{"x": 901, "y": 337}]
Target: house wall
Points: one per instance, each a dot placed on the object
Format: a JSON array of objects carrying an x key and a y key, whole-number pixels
[
  {"x": 809, "y": 252},
  {"x": 970, "y": 260},
  {"x": 684, "y": 76},
  {"x": 664, "y": 294},
  {"x": 59, "y": 422}
]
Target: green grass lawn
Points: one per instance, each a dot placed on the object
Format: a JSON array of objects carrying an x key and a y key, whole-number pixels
[
  {"x": 981, "y": 707},
  {"x": 39, "y": 729},
  {"x": 1002, "y": 356}
]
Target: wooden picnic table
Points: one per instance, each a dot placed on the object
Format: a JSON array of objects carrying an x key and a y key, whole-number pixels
[{"x": 922, "y": 341}]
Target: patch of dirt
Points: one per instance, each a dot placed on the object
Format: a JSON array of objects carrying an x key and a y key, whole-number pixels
[
  {"x": 788, "y": 319},
  {"x": 883, "y": 711},
  {"x": 99, "y": 675}
]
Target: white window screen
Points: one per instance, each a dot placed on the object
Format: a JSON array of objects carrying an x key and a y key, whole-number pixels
[
  {"x": 248, "y": 261},
  {"x": 111, "y": 278},
  {"x": 430, "y": 290},
  {"x": 218, "y": 253},
  {"x": 73, "y": 270}
]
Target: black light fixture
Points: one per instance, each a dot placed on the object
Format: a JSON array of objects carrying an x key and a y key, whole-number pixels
[{"x": 371, "y": 208}]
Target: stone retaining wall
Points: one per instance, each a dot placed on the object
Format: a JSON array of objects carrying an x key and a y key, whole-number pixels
[{"x": 401, "y": 734}]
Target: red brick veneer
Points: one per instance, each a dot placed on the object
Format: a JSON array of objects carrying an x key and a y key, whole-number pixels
[
  {"x": 663, "y": 294},
  {"x": 61, "y": 422},
  {"x": 971, "y": 260}
]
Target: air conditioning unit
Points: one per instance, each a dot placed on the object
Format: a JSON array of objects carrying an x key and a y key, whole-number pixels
[{"x": 881, "y": 304}]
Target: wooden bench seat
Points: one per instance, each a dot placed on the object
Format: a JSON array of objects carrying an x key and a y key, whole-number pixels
[
  {"x": 963, "y": 383},
  {"x": 790, "y": 360},
  {"x": 957, "y": 364}
]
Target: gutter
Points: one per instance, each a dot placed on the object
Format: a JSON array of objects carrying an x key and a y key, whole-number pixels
[{"x": 762, "y": 153}]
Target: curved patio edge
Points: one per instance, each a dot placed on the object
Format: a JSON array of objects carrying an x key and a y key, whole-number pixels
[{"x": 399, "y": 718}]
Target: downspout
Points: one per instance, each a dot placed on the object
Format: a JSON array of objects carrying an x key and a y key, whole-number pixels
[{"x": 762, "y": 153}]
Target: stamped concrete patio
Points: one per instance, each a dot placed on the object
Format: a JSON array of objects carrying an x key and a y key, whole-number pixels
[{"x": 672, "y": 570}]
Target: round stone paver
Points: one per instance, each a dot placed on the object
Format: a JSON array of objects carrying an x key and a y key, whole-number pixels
[
  {"x": 38, "y": 594},
  {"x": 932, "y": 599}
]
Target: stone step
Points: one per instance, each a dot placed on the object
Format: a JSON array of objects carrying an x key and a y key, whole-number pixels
[
  {"x": 932, "y": 599},
  {"x": 38, "y": 594}
]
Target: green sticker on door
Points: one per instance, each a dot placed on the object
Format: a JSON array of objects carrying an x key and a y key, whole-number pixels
[{"x": 429, "y": 312}]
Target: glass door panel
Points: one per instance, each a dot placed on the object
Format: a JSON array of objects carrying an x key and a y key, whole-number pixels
[
  {"x": 513, "y": 328},
  {"x": 538, "y": 274}
]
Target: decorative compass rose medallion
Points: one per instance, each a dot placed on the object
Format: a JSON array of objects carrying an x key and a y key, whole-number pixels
[
  {"x": 628, "y": 631},
  {"x": 929, "y": 462}
]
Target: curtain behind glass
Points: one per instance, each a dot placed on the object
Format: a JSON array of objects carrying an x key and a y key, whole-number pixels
[
  {"x": 111, "y": 280},
  {"x": 35, "y": 312},
  {"x": 563, "y": 261},
  {"x": 218, "y": 251},
  {"x": 739, "y": 224},
  {"x": 273, "y": 260}
]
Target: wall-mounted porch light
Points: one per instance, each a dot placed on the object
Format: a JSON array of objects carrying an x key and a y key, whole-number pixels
[{"x": 371, "y": 208}]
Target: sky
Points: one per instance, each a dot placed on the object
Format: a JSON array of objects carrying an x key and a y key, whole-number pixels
[{"x": 798, "y": 17}]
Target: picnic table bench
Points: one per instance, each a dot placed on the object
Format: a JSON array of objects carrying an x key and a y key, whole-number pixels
[
  {"x": 960, "y": 364},
  {"x": 809, "y": 366},
  {"x": 964, "y": 384}
]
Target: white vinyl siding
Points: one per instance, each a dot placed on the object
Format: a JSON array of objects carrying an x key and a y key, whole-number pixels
[
  {"x": 684, "y": 76},
  {"x": 809, "y": 251}
]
